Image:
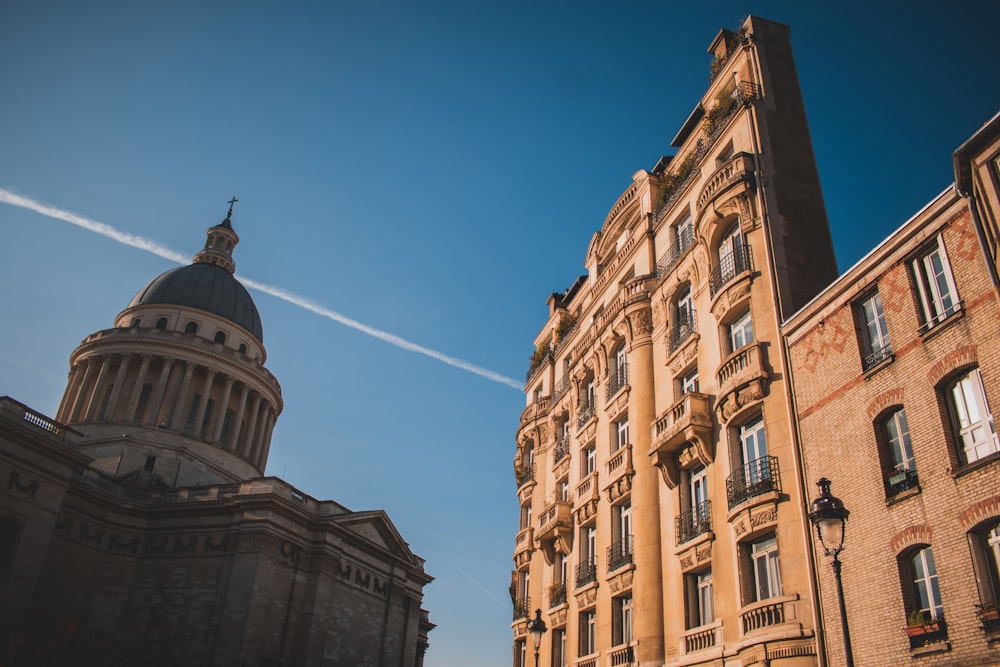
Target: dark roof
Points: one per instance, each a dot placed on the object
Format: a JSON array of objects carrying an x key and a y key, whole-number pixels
[{"x": 206, "y": 287}]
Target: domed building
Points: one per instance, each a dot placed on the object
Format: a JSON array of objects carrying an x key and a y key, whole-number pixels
[{"x": 137, "y": 526}]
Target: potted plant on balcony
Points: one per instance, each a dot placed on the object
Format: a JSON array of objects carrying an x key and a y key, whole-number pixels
[
  {"x": 898, "y": 475},
  {"x": 989, "y": 615},
  {"x": 922, "y": 629}
]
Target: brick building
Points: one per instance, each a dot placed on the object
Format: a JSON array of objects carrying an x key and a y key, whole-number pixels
[
  {"x": 896, "y": 378},
  {"x": 137, "y": 526},
  {"x": 662, "y": 518}
]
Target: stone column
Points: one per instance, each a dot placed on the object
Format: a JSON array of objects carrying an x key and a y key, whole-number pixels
[
  {"x": 98, "y": 387},
  {"x": 178, "y": 413},
  {"x": 133, "y": 403},
  {"x": 72, "y": 386},
  {"x": 245, "y": 446},
  {"x": 91, "y": 364},
  {"x": 206, "y": 393},
  {"x": 648, "y": 585},
  {"x": 258, "y": 439},
  {"x": 236, "y": 431},
  {"x": 220, "y": 414},
  {"x": 261, "y": 460},
  {"x": 116, "y": 388},
  {"x": 156, "y": 400}
]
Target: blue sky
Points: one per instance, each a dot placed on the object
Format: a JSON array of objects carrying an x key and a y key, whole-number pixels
[{"x": 433, "y": 170}]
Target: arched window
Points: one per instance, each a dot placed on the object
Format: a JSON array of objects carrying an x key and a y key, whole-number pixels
[
  {"x": 161, "y": 323},
  {"x": 972, "y": 421},
  {"x": 243, "y": 348},
  {"x": 925, "y": 593},
  {"x": 191, "y": 328},
  {"x": 136, "y": 322},
  {"x": 896, "y": 452},
  {"x": 985, "y": 546},
  {"x": 220, "y": 337}
]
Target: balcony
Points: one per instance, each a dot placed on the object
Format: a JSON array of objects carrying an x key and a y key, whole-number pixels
[
  {"x": 876, "y": 357},
  {"x": 730, "y": 266},
  {"x": 743, "y": 369},
  {"x": 683, "y": 243},
  {"x": 560, "y": 451},
  {"x": 701, "y": 638},
  {"x": 617, "y": 380},
  {"x": 536, "y": 409},
  {"x": 557, "y": 594},
  {"x": 522, "y": 608},
  {"x": 562, "y": 386},
  {"x": 621, "y": 657},
  {"x": 738, "y": 171},
  {"x": 586, "y": 573},
  {"x": 555, "y": 524},
  {"x": 755, "y": 479},
  {"x": 900, "y": 480},
  {"x": 694, "y": 522},
  {"x": 682, "y": 330},
  {"x": 524, "y": 475},
  {"x": 619, "y": 467},
  {"x": 524, "y": 544},
  {"x": 685, "y": 427},
  {"x": 620, "y": 554},
  {"x": 766, "y": 613},
  {"x": 584, "y": 414}
]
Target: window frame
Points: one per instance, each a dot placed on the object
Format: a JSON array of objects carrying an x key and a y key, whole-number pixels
[
  {"x": 622, "y": 628},
  {"x": 984, "y": 544},
  {"x": 963, "y": 426},
  {"x": 938, "y": 295},
  {"x": 930, "y": 593},
  {"x": 740, "y": 330},
  {"x": 764, "y": 568},
  {"x": 588, "y": 632},
  {"x": 876, "y": 346}
]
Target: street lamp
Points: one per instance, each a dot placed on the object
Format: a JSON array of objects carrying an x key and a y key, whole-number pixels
[
  {"x": 536, "y": 627},
  {"x": 829, "y": 515}
]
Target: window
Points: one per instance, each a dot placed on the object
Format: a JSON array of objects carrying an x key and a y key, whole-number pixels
[
  {"x": 753, "y": 442},
  {"x": 564, "y": 489},
  {"x": 161, "y": 323},
  {"x": 619, "y": 375},
  {"x": 700, "y": 599},
  {"x": 559, "y": 648},
  {"x": 191, "y": 328},
  {"x": 875, "y": 347},
  {"x": 695, "y": 519},
  {"x": 220, "y": 337},
  {"x": 741, "y": 332},
  {"x": 620, "y": 551},
  {"x": 243, "y": 348},
  {"x": 525, "y": 516},
  {"x": 689, "y": 381},
  {"x": 926, "y": 592},
  {"x": 520, "y": 653},
  {"x": 588, "y": 632},
  {"x": 136, "y": 322},
  {"x": 733, "y": 260},
  {"x": 621, "y": 620},
  {"x": 685, "y": 234},
  {"x": 985, "y": 543},
  {"x": 975, "y": 430},
  {"x": 586, "y": 570},
  {"x": 765, "y": 576},
  {"x": 684, "y": 319},
  {"x": 620, "y": 434},
  {"x": 588, "y": 463},
  {"x": 898, "y": 452},
  {"x": 755, "y": 473},
  {"x": 938, "y": 296}
]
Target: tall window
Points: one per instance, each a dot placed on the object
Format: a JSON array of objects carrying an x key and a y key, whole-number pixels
[
  {"x": 926, "y": 591},
  {"x": 976, "y": 432},
  {"x": 559, "y": 647},
  {"x": 985, "y": 547},
  {"x": 741, "y": 332},
  {"x": 588, "y": 632},
  {"x": 588, "y": 462},
  {"x": 621, "y": 620},
  {"x": 689, "y": 381},
  {"x": 902, "y": 469},
  {"x": 685, "y": 234},
  {"x": 620, "y": 378},
  {"x": 620, "y": 435},
  {"x": 520, "y": 653},
  {"x": 753, "y": 445},
  {"x": 564, "y": 489},
  {"x": 525, "y": 516},
  {"x": 732, "y": 259},
  {"x": 935, "y": 285},
  {"x": 695, "y": 517},
  {"x": 764, "y": 571},
  {"x": 620, "y": 551},
  {"x": 684, "y": 320},
  {"x": 700, "y": 599},
  {"x": 875, "y": 347}
]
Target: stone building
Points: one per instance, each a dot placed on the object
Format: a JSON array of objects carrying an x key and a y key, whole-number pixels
[
  {"x": 896, "y": 376},
  {"x": 662, "y": 517},
  {"x": 136, "y": 527}
]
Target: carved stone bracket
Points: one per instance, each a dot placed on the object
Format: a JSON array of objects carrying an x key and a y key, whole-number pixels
[
  {"x": 587, "y": 597},
  {"x": 697, "y": 553},
  {"x": 756, "y": 517},
  {"x": 623, "y": 581},
  {"x": 619, "y": 488}
]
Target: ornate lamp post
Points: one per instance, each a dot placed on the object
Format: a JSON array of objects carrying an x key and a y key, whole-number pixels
[
  {"x": 829, "y": 515},
  {"x": 536, "y": 627}
]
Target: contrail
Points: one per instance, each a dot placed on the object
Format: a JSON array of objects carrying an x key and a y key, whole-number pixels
[
  {"x": 142, "y": 243},
  {"x": 485, "y": 590}
]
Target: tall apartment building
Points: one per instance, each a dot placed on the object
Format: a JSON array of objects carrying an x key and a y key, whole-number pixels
[
  {"x": 897, "y": 381},
  {"x": 661, "y": 516}
]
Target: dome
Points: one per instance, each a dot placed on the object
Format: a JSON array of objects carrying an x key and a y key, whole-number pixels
[{"x": 207, "y": 287}]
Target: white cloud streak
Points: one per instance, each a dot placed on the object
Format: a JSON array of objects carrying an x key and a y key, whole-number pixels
[{"x": 142, "y": 243}]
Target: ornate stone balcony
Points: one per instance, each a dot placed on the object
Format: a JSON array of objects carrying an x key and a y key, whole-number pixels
[
  {"x": 742, "y": 380},
  {"x": 621, "y": 657},
  {"x": 536, "y": 409},
  {"x": 683, "y": 434},
  {"x": 738, "y": 171},
  {"x": 702, "y": 638},
  {"x": 555, "y": 526},
  {"x": 524, "y": 544},
  {"x": 769, "y": 613},
  {"x": 618, "y": 480},
  {"x": 586, "y": 497}
]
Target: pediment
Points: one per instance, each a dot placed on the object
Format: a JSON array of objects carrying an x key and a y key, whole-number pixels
[{"x": 376, "y": 528}]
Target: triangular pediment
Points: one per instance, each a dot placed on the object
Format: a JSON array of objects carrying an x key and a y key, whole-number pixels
[{"x": 376, "y": 528}]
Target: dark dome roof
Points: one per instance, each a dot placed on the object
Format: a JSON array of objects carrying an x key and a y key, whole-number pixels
[{"x": 206, "y": 287}]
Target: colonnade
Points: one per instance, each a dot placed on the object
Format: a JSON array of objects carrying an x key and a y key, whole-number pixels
[{"x": 157, "y": 391}]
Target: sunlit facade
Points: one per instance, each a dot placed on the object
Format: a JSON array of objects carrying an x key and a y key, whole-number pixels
[{"x": 662, "y": 520}]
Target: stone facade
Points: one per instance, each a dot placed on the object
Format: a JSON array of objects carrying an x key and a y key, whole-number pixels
[
  {"x": 662, "y": 517},
  {"x": 896, "y": 372},
  {"x": 137, "y": 529}
]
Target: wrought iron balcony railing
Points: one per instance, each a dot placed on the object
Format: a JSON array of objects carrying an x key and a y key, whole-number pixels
[
  {"x": 561, "y": 450},
  {"x": 586, "y": 572},
  {"x": 522, "y": 608},
  {"x": 680, "y": 332},
  {"x": 685, "y": 239},
  {"x": 900, "y": 480},
  {"x": 562, "y": 386},
  {"x": 618, "y": 379},
  {"x": 876, "y": 357},
  {"x": 730, "y": 266},
  {"x": 524, "y": 475},
  {"x": 620, "y": 553},
  {"x": 754, "y": 479},
  {"x": 584, "y": 413},
  {"x": 694, "y": 522},
  {"x": 557, "y": 594}
]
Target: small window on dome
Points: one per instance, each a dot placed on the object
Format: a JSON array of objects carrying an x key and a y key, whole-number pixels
[
  {"x": 243, "y": 348},
  {"x": 191, "y": 328},
  {"x": 136, "y": 322},
  {"x": 220, "y": 337},
  {"x": 161, "y": 323}
]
